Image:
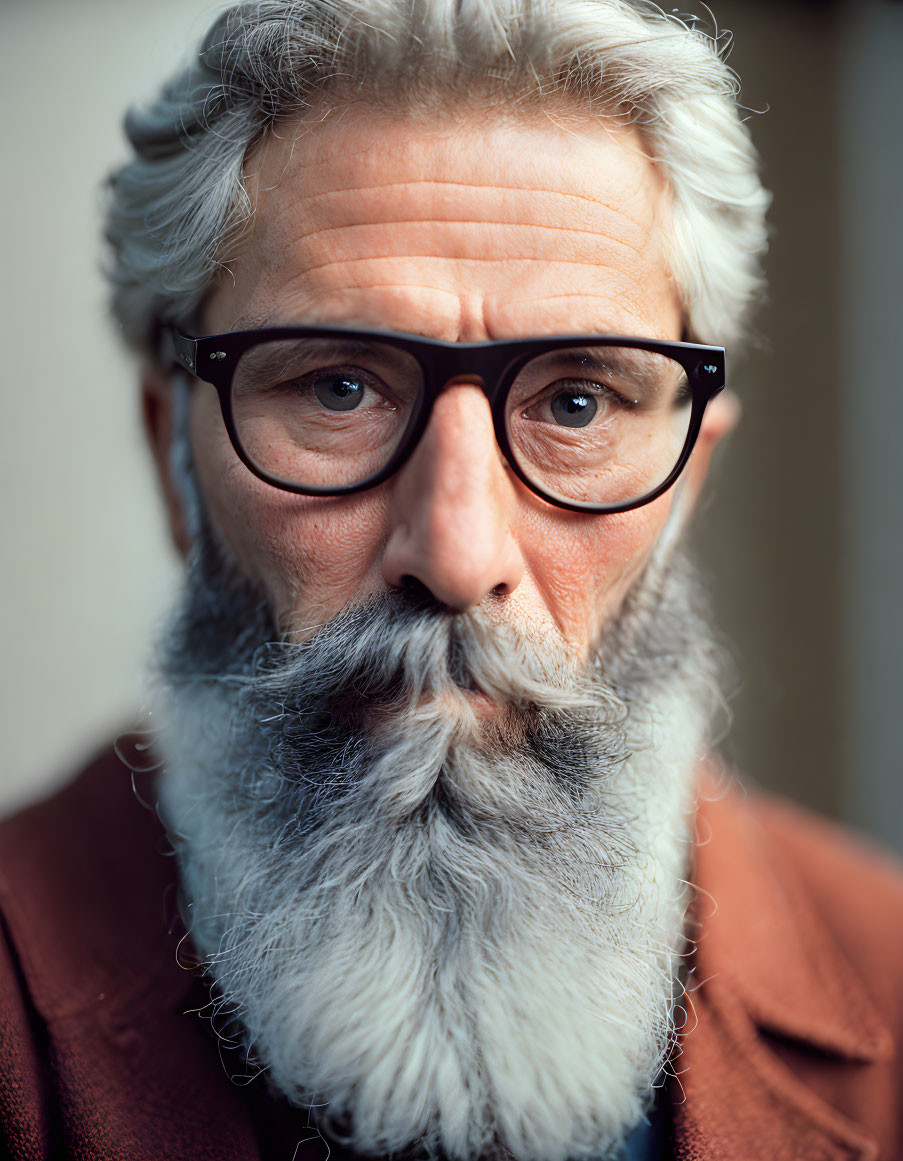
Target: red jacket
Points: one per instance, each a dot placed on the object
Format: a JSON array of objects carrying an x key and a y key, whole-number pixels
[{"x": 796, "y": 1000}]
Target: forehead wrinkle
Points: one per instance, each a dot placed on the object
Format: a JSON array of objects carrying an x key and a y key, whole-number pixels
[
  {"x": 432, "y": 223},
  {"x": 615, "y": 310},
  {"x": 426, "y": 239},
  {"x": 529, "y": 191},
  {"x": 384, "y": 210},
  {"x": 434, "y": 200},
  {"x": 280, "y": 316},
  {"x": 466, "y": 244},
  {"x": 506, "y": 260}
]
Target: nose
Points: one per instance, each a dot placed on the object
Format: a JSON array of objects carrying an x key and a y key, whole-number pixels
[{"x": 454, "y": 507}]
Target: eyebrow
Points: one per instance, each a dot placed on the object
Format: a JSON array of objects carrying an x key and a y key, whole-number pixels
[
  {"x": 321, "y": 352},
  {"x": 642, "y": 368},
  {"x": 257, "y": 322}
]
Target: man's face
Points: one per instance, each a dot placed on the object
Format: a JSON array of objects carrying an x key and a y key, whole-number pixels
[
  {"x": 469, "y": 230},
  {"x": 419, "y": 912}
]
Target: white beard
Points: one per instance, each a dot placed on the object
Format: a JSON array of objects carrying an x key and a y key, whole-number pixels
[{"x": 451, "y": 938}]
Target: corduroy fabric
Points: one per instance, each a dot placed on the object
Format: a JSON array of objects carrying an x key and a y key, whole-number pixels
[{"x": 795, "y": 1001}]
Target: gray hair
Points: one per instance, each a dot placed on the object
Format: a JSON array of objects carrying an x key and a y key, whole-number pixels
[{"x": 178, "y": 211}]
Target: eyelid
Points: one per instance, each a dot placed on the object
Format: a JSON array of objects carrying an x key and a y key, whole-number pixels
[
  {"x": 383, "y": 390},
  {"x": 345, "y": 371},
  {"x": 559, "y": 386},
  {"x": 644, "y": 373}
]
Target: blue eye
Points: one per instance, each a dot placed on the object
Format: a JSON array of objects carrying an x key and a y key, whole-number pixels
[
  {"x": 339, "y": 392},
  {"x": 572, "y": 410}
]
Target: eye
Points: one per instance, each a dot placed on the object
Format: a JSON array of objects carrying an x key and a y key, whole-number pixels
[
  {"x": 573, "y": 409},
  {"x": 338, "y": 391},
  {"x": 575, "y": 404}
]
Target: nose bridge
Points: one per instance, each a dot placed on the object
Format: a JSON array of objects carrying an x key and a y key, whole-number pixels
[
  {"x": 460, "y": 442},
  {"x": 479, "y": 364},
  {"x": 462, "y": 378}
]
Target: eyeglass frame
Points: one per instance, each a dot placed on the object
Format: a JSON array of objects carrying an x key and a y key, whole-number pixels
[{"x": 491, "y": 365}]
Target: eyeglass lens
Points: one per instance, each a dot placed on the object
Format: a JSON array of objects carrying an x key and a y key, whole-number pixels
[{"x": 595, "y": 424}]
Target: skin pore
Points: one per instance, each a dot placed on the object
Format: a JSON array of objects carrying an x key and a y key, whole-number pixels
[{"x": 463, "y": 230}]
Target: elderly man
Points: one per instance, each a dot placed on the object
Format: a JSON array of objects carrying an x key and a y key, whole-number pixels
[{"x": 426, "y": 295}]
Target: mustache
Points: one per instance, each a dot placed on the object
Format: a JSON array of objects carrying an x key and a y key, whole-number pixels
[
  {"x": 397, "y": 650},
  {"x": 401, "y": 659},
  {"x": 390, "y": 652},
  {"x": 396, "y": 675}
]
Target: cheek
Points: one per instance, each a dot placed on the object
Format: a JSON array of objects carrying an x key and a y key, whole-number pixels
[
  {"x": 584, "y": 566},
  {"x": 312, "y": 556}
]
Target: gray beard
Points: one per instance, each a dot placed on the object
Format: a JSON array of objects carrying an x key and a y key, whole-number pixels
[{"x": 447, "y": 934}]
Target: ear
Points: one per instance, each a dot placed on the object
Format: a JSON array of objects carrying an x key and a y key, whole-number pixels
[
  {"x": 157, "y": 412},
  {"x": 720, "y": 419}
]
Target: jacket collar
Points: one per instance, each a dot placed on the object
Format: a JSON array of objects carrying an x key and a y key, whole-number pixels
[{"x": 766, "y": 969}]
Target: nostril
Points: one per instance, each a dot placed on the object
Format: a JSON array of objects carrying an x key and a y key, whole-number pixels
[
  {"x": 412, "y": 585},
  {"x": 420, "y": 594}
]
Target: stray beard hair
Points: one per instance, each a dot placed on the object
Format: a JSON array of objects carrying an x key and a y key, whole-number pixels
[{"x": 449, "y": 934}]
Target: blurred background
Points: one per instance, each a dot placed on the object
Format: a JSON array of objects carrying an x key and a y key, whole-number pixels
[{"x": 801, "y": 538}]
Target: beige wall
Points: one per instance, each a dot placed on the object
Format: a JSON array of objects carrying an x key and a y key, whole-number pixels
[
  {"x": 803, "y": 536},
  {"x": 86, "y": 567},
  {"x": 771, "y": 537}
]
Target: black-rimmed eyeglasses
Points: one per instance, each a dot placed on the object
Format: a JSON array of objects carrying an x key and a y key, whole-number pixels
[{"x": 592, "y": 423}]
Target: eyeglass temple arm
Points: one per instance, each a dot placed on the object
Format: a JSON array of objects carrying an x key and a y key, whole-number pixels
[{"x": 178, "y": 348}]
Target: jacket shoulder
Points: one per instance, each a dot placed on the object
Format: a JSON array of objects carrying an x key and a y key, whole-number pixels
[
  {"x": 83, "y": 887},
  {"x": 797, "y": 966},
  {"x": 855, "y": 887},
  {"x": 101, "y": 1052}
]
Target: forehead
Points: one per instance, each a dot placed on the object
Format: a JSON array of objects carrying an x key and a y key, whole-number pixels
[{"x": 464, "y": 228}]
